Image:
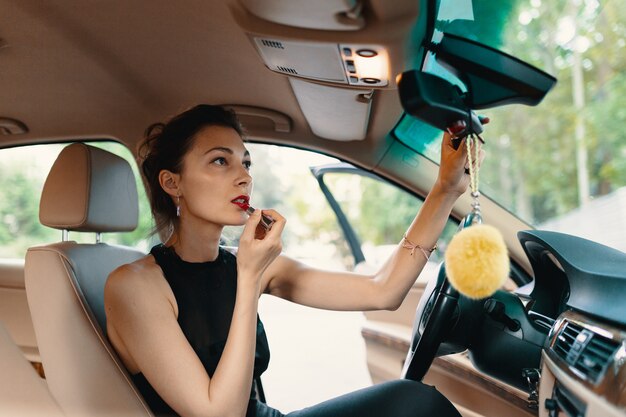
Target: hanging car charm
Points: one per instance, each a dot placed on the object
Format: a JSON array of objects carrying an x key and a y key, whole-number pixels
[{"x": 476, "y": 260}]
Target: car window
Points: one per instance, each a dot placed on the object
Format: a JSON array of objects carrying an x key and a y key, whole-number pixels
[
  {"x": 23, "y": 171},
  {"x": 380, "y": 214},
  {"x": 282, "y": 181}
]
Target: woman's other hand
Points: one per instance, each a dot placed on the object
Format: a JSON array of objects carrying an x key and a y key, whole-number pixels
[
  {"x": 454, "y": 168},
  {"x": 258, "y": 250}
]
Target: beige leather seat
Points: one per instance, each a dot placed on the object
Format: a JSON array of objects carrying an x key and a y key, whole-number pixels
[
  {"x": 22, "y": 392},
  {"x": 87, "y": 190}
]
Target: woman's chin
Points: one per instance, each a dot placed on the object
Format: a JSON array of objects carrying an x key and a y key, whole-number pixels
[
  {"x": 230, "y": 219},
  {"x": 237, "y": 222}
]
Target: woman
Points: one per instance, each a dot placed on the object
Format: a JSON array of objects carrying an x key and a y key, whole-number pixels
[{"x": 184, "y": 318}]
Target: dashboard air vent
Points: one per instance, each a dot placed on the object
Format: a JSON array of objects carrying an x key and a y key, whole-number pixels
[
  {"x": 586, "y": 352},
  {"x": 565, "y": 339},
  {"x": 596, "y": 356}
]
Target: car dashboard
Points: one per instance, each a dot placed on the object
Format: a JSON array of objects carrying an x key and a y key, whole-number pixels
[{"x": 582, "y": 285}]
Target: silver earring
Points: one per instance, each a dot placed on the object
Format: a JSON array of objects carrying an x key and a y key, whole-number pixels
[{"x": 177, "y": 206}]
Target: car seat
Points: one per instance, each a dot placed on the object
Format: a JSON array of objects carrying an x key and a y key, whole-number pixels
[{"x": 87, "y": 190}]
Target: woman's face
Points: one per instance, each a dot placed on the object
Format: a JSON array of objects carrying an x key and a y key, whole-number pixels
[{"x": 215, "y": 173}]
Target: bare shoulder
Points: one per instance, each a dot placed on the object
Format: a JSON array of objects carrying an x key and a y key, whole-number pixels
[
  {"x": 134, "y": 274},
  {"x": 137, "y": 297},
  {"x": 143, "y": 276}
]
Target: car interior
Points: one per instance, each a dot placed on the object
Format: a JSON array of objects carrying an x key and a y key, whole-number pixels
[{"x": 338, "y": 77}]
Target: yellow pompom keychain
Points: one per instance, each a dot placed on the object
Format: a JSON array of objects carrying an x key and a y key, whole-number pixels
[{"x": 476, "y": 260}]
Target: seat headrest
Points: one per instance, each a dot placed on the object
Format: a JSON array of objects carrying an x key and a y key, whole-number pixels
[{"x": 89, "y": 190}]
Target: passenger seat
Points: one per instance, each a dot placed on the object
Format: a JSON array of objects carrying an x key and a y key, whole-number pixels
[
  {"x": 23, "y": 393},
  {"x": 88, "y": 190}
]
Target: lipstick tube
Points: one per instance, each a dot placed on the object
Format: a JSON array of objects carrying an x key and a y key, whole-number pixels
[{"x": 266, "y": 221}]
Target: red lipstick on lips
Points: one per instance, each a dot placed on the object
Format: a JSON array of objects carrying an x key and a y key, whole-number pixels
[{"x": 243, "y": 201}]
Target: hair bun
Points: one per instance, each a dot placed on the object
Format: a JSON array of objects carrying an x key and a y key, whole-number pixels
[{"x": 154, "y": 128}]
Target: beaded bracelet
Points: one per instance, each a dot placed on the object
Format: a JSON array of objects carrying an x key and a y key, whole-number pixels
[{"x": 407, "y": 244}]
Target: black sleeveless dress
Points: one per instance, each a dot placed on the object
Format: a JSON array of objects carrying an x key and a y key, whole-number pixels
[{"x": 205, "y": 294}]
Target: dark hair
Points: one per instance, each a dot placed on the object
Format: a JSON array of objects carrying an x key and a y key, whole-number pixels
[{"x": 165, "y": 146}]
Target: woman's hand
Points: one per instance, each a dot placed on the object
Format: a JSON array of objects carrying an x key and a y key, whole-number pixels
[
  {"x": 454, "y": 168},
  {"x": 258, "y": 250}
]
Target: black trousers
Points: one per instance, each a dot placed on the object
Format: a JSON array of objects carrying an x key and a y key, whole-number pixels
[{"x": 399, "y": 398}]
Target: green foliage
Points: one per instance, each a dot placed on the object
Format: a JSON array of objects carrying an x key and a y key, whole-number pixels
[
  {"x": 609, "y": 159},
  {"x": 379, "y": 212},
  {"x": 19, "y": 205},
  {"x": 532, "y": 165},
  {"x": 318, "y": 223},
  {"x": 19, "y": 210},
  {"x": 386, "y": 212}
]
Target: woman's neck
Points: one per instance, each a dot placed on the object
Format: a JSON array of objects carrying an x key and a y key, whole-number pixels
[{"x": 196, "y": 243}]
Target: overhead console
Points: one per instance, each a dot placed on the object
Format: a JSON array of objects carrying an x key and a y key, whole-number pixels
[
  {"x": 333, "y": 76},
  {"x": 353, "y": 64},
  {"x": 325, "y": 107},
  {"x": 333, "y": 108}
]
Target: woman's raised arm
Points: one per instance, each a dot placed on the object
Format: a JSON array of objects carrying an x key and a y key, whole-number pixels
[{"x": 289, "y": 279}]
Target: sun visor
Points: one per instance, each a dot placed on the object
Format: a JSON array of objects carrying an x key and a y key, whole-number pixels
[
  {"x": 320, "y": 15},
  {"x": 334, "y": 113}
]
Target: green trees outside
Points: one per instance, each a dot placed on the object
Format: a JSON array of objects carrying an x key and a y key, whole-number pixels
[
  {"x": 19, "y": 203},
  {"x": 545, "y": 161},
  {"x": 19, "y": 210}
]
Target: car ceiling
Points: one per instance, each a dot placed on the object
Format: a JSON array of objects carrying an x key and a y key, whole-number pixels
[
  {"x": 90, "y": 69},
  {"x": 97, "y": 69}
]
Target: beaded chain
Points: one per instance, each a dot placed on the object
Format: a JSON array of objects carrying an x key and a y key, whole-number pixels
[{"x": 472, "y": 141}]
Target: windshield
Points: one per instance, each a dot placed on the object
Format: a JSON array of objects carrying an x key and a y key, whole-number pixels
[{"x": 561, "y": 165}]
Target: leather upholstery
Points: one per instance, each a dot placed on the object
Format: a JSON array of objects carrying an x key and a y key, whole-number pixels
[
  {"x": 14, "y": 312},
  {"x": 23, "y": 393},
  {"x": 90, "y": 190},
  {"x": 65, "y": 289},
  {"x": 65, "y": 285}
]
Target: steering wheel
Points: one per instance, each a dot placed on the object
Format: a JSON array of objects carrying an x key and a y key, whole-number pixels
[{"x": 434, "y": 319}]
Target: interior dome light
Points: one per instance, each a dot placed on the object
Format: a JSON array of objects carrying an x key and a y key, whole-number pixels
[{"x": 370, "y": 64}]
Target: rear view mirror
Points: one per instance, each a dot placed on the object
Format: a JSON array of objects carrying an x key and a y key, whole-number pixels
[
  {"x": 434, "y": 100},
  {"x": 492, "y": 79}
]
